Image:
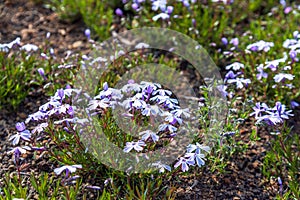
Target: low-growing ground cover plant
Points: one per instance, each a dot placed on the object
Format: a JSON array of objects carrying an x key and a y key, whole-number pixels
[{"x": 260, "y": 65}]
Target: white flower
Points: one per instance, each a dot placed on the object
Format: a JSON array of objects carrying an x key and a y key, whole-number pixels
[
  {"x": 29, "y": 47},
  {"x": 235, "y": 66},
  {"x": 161, "y": 15},
  {"x": 70, "y": 168}
]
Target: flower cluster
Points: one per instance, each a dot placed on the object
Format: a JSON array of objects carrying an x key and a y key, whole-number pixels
[
  {"x": 147, "y": 100},
  {"x": 271, "y": 116}
]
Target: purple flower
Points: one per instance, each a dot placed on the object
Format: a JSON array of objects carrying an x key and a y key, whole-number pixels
[
  {"x": 42, "y": 73},
  {"x": 119, "y": 12},
  {"x": 87, "y": 33},
  {"x": 261, "y": 74},
  {"x": 105, "y": 86},
  {"x": 60, "y": 93},
  {"x": 17, "y": 151},
  {"x": 170, "y": 10},
  {"x": 224, "y": 41},
  {"x": 20, "y": 126},
  {"x": 186, "y": 3},
  {"x": 294, "y": 104},
  {"x": 231, "y": 75},
  {"x": 135, "y": 6},
  {"x": 194, "y": 23},
  {"x": 287, "y": 10},
  {"x": 293, "y": 55},
  {"x": 138, "y": 146}
]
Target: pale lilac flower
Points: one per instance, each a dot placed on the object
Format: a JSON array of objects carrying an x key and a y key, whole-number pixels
[
  {"x": 227, "y": 134},
  {"x": 148, "y": 133},
  {"x": 239, "y": 82},
  {"x": 142, "y": 45},
  {"x": 131, "y": 87},
  {"x": 17, "y": 149},
  {"x": 162, "y": 167},
  {"x": 184, "y": 163},
  {"x": 159, "y": 4},
  {"x": 39, "y": 128},
  {"x": 93, "y": 187},
  {"x": 39, "y": 115},
  {"x": 288, "y": 43},
  {"x": 197, "y": 148},
  {"x": 170, "y": 10},
  {"x": 282, "y": 77},
  {"x": 167, "y": 127},
  {"x": 42, "y": 73},
  {"x": 258, "y": 109},
  {"x": 172, "y": 119},
  {"x": 25, "y": 135},
  {"x": 50, "y": 105},
  {"x": 67, "y": 168},
  {"x": 151, "y": 110},
  {"x": 162, "y": 92},
  {"x": 235, "y": 66},
  {"x": 197, "y": 156},
  {"x": 138, "y": 146},
  {"x": 270, "y": 119},
  {"x": 260, "y": 46},
  {"x": 179, "y": 112},
  {"x": 103, "y": 104},
  {"x": 222, "y": 89},
  {"x": 234, "y": 41}
]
